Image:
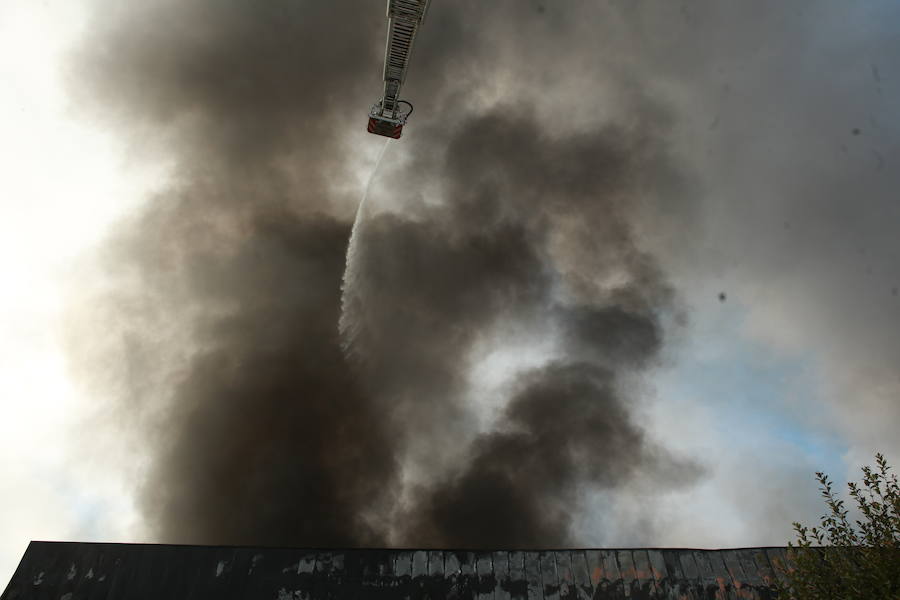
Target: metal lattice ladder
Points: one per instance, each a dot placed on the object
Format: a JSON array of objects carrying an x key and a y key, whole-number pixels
[{"x": 404, "y": 19}]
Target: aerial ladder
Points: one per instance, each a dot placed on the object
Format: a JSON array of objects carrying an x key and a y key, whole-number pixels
[{"x": 404, "y": 19}]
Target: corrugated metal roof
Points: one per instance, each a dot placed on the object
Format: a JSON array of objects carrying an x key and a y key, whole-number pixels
[{"x": 72, "y": 571}]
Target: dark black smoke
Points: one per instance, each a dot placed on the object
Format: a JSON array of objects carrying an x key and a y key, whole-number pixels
[
  {"x": 430, "y": 288},
  {"x": 264, "y": 432},
  {"x": 565, "y": 425},
  {"x": 267, "y": 429}
]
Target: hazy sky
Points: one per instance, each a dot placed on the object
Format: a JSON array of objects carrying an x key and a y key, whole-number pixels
[{"x": 629, "y": 278}]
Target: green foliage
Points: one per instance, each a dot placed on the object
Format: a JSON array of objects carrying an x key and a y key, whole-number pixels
[{"x": 841, "y": 561}]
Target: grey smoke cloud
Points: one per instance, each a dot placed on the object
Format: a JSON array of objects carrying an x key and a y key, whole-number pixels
[
  {"x": 264, "y": 431},
  {"x": 795, "y": 133},
  {"x": 484, "y": 251},
  {"x": 549, "y": 178}
]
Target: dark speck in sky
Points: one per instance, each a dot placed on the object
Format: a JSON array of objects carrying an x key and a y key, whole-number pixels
[
  {"x": 875, "y": 74},
  {"x": 856, "y": 131},
  {"x": 722, "y": 296}
]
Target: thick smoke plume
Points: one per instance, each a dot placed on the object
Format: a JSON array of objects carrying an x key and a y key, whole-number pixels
[{"x": 486, "y": 220}]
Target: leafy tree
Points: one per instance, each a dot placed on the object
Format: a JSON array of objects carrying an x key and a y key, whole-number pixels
[{"x": 841, "y": 561}]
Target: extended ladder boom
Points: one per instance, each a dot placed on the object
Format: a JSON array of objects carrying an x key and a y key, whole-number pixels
[{"x": 404, "y": 19}]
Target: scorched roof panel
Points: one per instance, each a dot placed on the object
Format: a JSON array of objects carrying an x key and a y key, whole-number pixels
[{"x": 89, "y": 571}]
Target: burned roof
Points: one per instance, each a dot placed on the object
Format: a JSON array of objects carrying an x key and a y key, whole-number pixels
[{"x": 72, "y": 571}]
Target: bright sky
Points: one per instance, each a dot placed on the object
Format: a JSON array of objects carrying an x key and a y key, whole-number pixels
[
  {"x": 62, "y": 185},
  {"x": 65, "y": 182}
]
